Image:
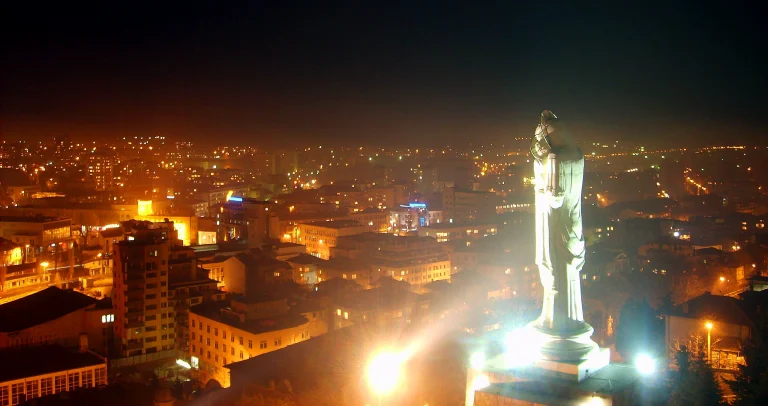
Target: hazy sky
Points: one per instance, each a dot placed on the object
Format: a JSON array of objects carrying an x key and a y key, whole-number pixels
[{"x": 373, "y": 71}]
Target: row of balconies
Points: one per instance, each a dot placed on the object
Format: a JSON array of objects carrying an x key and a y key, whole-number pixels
[
  {"x": 134, "y": 344},
  {"x": 134, "y": 323}
]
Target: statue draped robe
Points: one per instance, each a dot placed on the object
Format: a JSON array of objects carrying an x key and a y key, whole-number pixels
[{"x": 560, "y": 243}]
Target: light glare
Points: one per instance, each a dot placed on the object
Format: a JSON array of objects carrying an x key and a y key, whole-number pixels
[
  {"x": 477, "y": 360},
  {"x": 481, "y": 381},
  {"x": 594, "y": 401},
  {"x": 384, "y": 372},
  {"x": 645, "y": 364},
  {"x": 523, "y": 348}
]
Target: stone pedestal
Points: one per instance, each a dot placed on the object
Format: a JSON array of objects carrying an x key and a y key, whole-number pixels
[
  {"x": 593, "y": 381},
  {"x": 575, "y": 370},
  {"x": 574, "y": 345}
]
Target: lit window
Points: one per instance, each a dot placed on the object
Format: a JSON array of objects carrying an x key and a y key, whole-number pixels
[
  {"x": 338, "y": 312},
  {"x": 346, "y": 315}
]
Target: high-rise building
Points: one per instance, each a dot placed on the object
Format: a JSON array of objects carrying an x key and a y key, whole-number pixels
[
  {"x": 144, "y": 323},
  {"x": 461, "y": 205},
  {"x": 100, "y": 170}
]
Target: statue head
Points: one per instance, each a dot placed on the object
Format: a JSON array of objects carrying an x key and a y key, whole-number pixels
[
  {"x": 547, "y": 124},
  {"x": 550, "y": 134}
]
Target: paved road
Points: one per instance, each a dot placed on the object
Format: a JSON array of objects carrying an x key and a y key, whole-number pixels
[{"x": 737, "y": 292}]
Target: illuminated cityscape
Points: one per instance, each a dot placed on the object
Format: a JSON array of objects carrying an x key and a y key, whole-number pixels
[{"x": 352, "y": 205}]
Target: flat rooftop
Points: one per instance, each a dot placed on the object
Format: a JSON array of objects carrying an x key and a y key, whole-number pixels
[
  {"x": 336, "y": 224},
  {"x": 184, "y": 279},
  {"x": 213, "y": 311},
  {"x": 442, "y": 226},
  {"x": 29, "y": 219}
]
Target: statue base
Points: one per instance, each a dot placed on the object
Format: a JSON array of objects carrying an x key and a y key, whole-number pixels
[
  {"x": 541, "y": 367},
  {"x": 570, "y": 346},
  {"x": 552, "y": 384},
  {"x": 575, "y": 370}
]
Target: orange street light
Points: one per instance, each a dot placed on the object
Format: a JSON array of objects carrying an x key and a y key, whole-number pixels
[
  {"x": 709, "y": 326},
  {"x": 384, "y": 372}
]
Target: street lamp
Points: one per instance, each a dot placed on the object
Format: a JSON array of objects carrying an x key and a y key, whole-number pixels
[
  {"x": 45, "y": 266},
  {"x": 709, "y": 325}
]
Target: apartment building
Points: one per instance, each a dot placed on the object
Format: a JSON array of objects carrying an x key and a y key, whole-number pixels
[
  {"x": 44, "y": 238},
  {"x": 144, "y": 322},
  {"x": 222, "y": 333},
  {"x": 415, "y": 260},
  {"x": 462, "y": 205},
  {"x": 445, "y": 232},
  {"x": 241, "y": 272},
  {"x": 320, "y": 236}
]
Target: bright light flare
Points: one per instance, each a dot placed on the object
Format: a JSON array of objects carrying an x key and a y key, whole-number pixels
[
  {"x": 384, "y": 372},
  {"x": 481, "y": 381},
  {"x": 184, "y": 364},
  {"x": 594, "y": 401},
  {"x": 645, "y": 364},
  {"x": 523, "y": 348},
  {"x": 477, "y": 360}
]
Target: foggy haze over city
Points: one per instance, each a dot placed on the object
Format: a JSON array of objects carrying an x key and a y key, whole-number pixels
[{"x": 395, "y": 203}]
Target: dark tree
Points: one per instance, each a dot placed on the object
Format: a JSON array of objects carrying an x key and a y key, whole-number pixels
[
  {"x": 639, "y": 330},
  {"x": 695, "y": 382},
  {"x": 666, "y": 305},
  {"x": 751, "y": 384}
]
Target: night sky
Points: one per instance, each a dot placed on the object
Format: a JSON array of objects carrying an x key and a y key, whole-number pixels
[{"x": 380, "y": 71}]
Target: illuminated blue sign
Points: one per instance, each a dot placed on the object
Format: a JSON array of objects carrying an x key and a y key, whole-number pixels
[
  {"x": 417, "y": 205},
  {"x": 235, "y": 199}
]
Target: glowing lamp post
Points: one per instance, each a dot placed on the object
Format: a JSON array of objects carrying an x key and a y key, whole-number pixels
[
  {"x": 709, "y": 326},
  {"x": 384, "y": 373}
]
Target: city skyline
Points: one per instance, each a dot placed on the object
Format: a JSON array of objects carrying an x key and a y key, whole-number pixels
[
  {"x": 345, "y": 203},
  {"x": 355, "y": 74}
]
